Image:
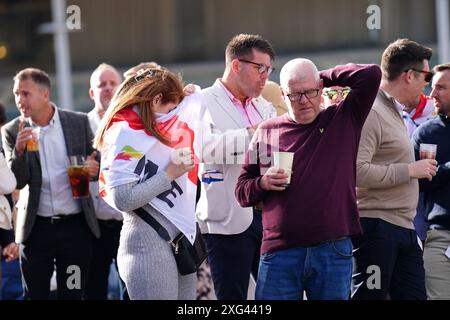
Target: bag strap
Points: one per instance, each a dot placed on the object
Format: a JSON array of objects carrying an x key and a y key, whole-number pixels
[{"x": 144, "y": 215}]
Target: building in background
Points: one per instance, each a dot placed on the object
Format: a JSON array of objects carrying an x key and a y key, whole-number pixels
[{"x": 186, "y": 34}]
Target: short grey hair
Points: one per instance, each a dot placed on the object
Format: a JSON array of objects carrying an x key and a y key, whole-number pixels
[
  {"x": 100, "y": 68},
  {"x": 298, "y": 70}
]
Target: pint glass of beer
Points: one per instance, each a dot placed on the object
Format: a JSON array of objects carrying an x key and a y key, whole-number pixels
[
  {"x": 33, "y": 142},
  {"x": 79, "y": 177},
  {"x": 427, "y": 151}
]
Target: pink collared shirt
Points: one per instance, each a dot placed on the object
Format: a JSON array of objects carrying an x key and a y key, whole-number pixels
[{"x": 248, "y": 111}]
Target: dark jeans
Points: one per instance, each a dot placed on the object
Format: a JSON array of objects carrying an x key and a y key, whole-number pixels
[
  {"x": 232, "y": 258},
  {"x": 388, "y": 260},
  {"x": 420, "y": 223},
  {"x": 104, "y": 252},
  {"x": 66, "y": 244}
]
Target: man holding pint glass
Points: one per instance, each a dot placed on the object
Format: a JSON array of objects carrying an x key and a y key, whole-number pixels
[
  {"x": 54, "y": 224},
  {"x": 387, "y": 179},
  {"x": 435, "y": 134},
  {"x": 309, "y": 201}
]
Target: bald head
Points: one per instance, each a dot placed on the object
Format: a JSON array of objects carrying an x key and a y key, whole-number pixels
[
  {"x": 298, "y": 70},
  {"x": 104, "y": 81}
]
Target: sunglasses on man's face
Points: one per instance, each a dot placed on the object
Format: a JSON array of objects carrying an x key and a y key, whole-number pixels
[
  {"x": 428, "y": 74},
  {"x": 333, "y": 94}
]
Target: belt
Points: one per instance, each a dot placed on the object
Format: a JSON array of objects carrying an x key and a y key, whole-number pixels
[
  {"x": 59, "y": 218},
  {"x": 322, "y": 242}
]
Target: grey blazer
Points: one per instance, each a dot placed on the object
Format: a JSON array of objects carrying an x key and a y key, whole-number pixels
[{"x": 27, "y": 168}]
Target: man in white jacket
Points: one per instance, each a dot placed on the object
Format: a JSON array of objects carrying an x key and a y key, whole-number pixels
[{"x": 233, "y": 234}]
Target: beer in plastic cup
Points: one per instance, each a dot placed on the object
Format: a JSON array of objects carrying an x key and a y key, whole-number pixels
[
  {"x": 283, "y": 160},
  {"x": 79, "y": 177},
  {"x": 427, "y": 151},
  {"x": 33, "y": 142}
]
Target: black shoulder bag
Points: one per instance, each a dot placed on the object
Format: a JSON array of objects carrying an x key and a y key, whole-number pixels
[{"x": 188, "y": 256}]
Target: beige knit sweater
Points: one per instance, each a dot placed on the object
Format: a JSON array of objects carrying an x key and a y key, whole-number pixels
[{"x": 384, "y": 188}]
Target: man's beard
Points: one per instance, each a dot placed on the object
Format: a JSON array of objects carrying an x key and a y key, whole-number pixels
[{"x": 444, "y": 109}]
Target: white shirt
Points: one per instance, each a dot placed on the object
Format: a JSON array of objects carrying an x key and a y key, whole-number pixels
[
  {"x": 103, "y": 211},
  {"x": 56, "y": 193}
]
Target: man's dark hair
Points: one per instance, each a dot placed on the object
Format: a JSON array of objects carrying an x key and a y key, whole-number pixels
[
  {"x": 441, "y": 67},
  {"x": 241, "y": 47},
  {"x": 38, "y": 76},
  {"x": 402, "y": 55}
]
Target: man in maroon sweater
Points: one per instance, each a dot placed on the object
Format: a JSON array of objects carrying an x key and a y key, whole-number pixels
[{"x": 306, "y": 245}]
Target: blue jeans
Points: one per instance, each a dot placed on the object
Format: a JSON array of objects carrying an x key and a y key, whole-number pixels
[{"x": 323, "y": 272}]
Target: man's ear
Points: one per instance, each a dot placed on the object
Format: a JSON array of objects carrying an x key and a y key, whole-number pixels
[
  {"x": 235, "y": 65},
  {"x": 408, "y": 76},
  {"x": 321, "y": 84},
  {"x": 46, "y": 94},
  {"x": 91, "y": 93}
]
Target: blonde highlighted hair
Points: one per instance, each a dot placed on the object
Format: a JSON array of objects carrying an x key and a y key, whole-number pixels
[{"x": 140, "y": 90}]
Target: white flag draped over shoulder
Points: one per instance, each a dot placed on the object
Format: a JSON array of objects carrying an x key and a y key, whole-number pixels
[{"x": 133, "y": 154}]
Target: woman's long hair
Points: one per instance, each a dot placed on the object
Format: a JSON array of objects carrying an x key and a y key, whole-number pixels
[{"x": 140, "y": 90}]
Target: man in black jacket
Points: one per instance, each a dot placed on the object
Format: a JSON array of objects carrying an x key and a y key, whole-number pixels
[{"x": 437, "y": 191}]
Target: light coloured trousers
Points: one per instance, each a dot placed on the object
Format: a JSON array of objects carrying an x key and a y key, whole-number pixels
[{"x": 437, "y": 265}]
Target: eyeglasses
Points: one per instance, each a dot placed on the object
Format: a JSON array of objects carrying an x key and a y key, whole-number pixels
[
  {"x": 297, "y": 96},
  {"x": 428, "y": 74},
  {"x": 333, "y": 94},
  {"x": 261, "y": 67}
]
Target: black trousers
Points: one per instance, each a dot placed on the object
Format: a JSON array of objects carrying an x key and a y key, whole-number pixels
[
  {"x": 104, "y": 252},
  {"x": 388, "y": 260},
  {"x": 66, "y": 244},
  {"x": 232, "y": 258}
]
